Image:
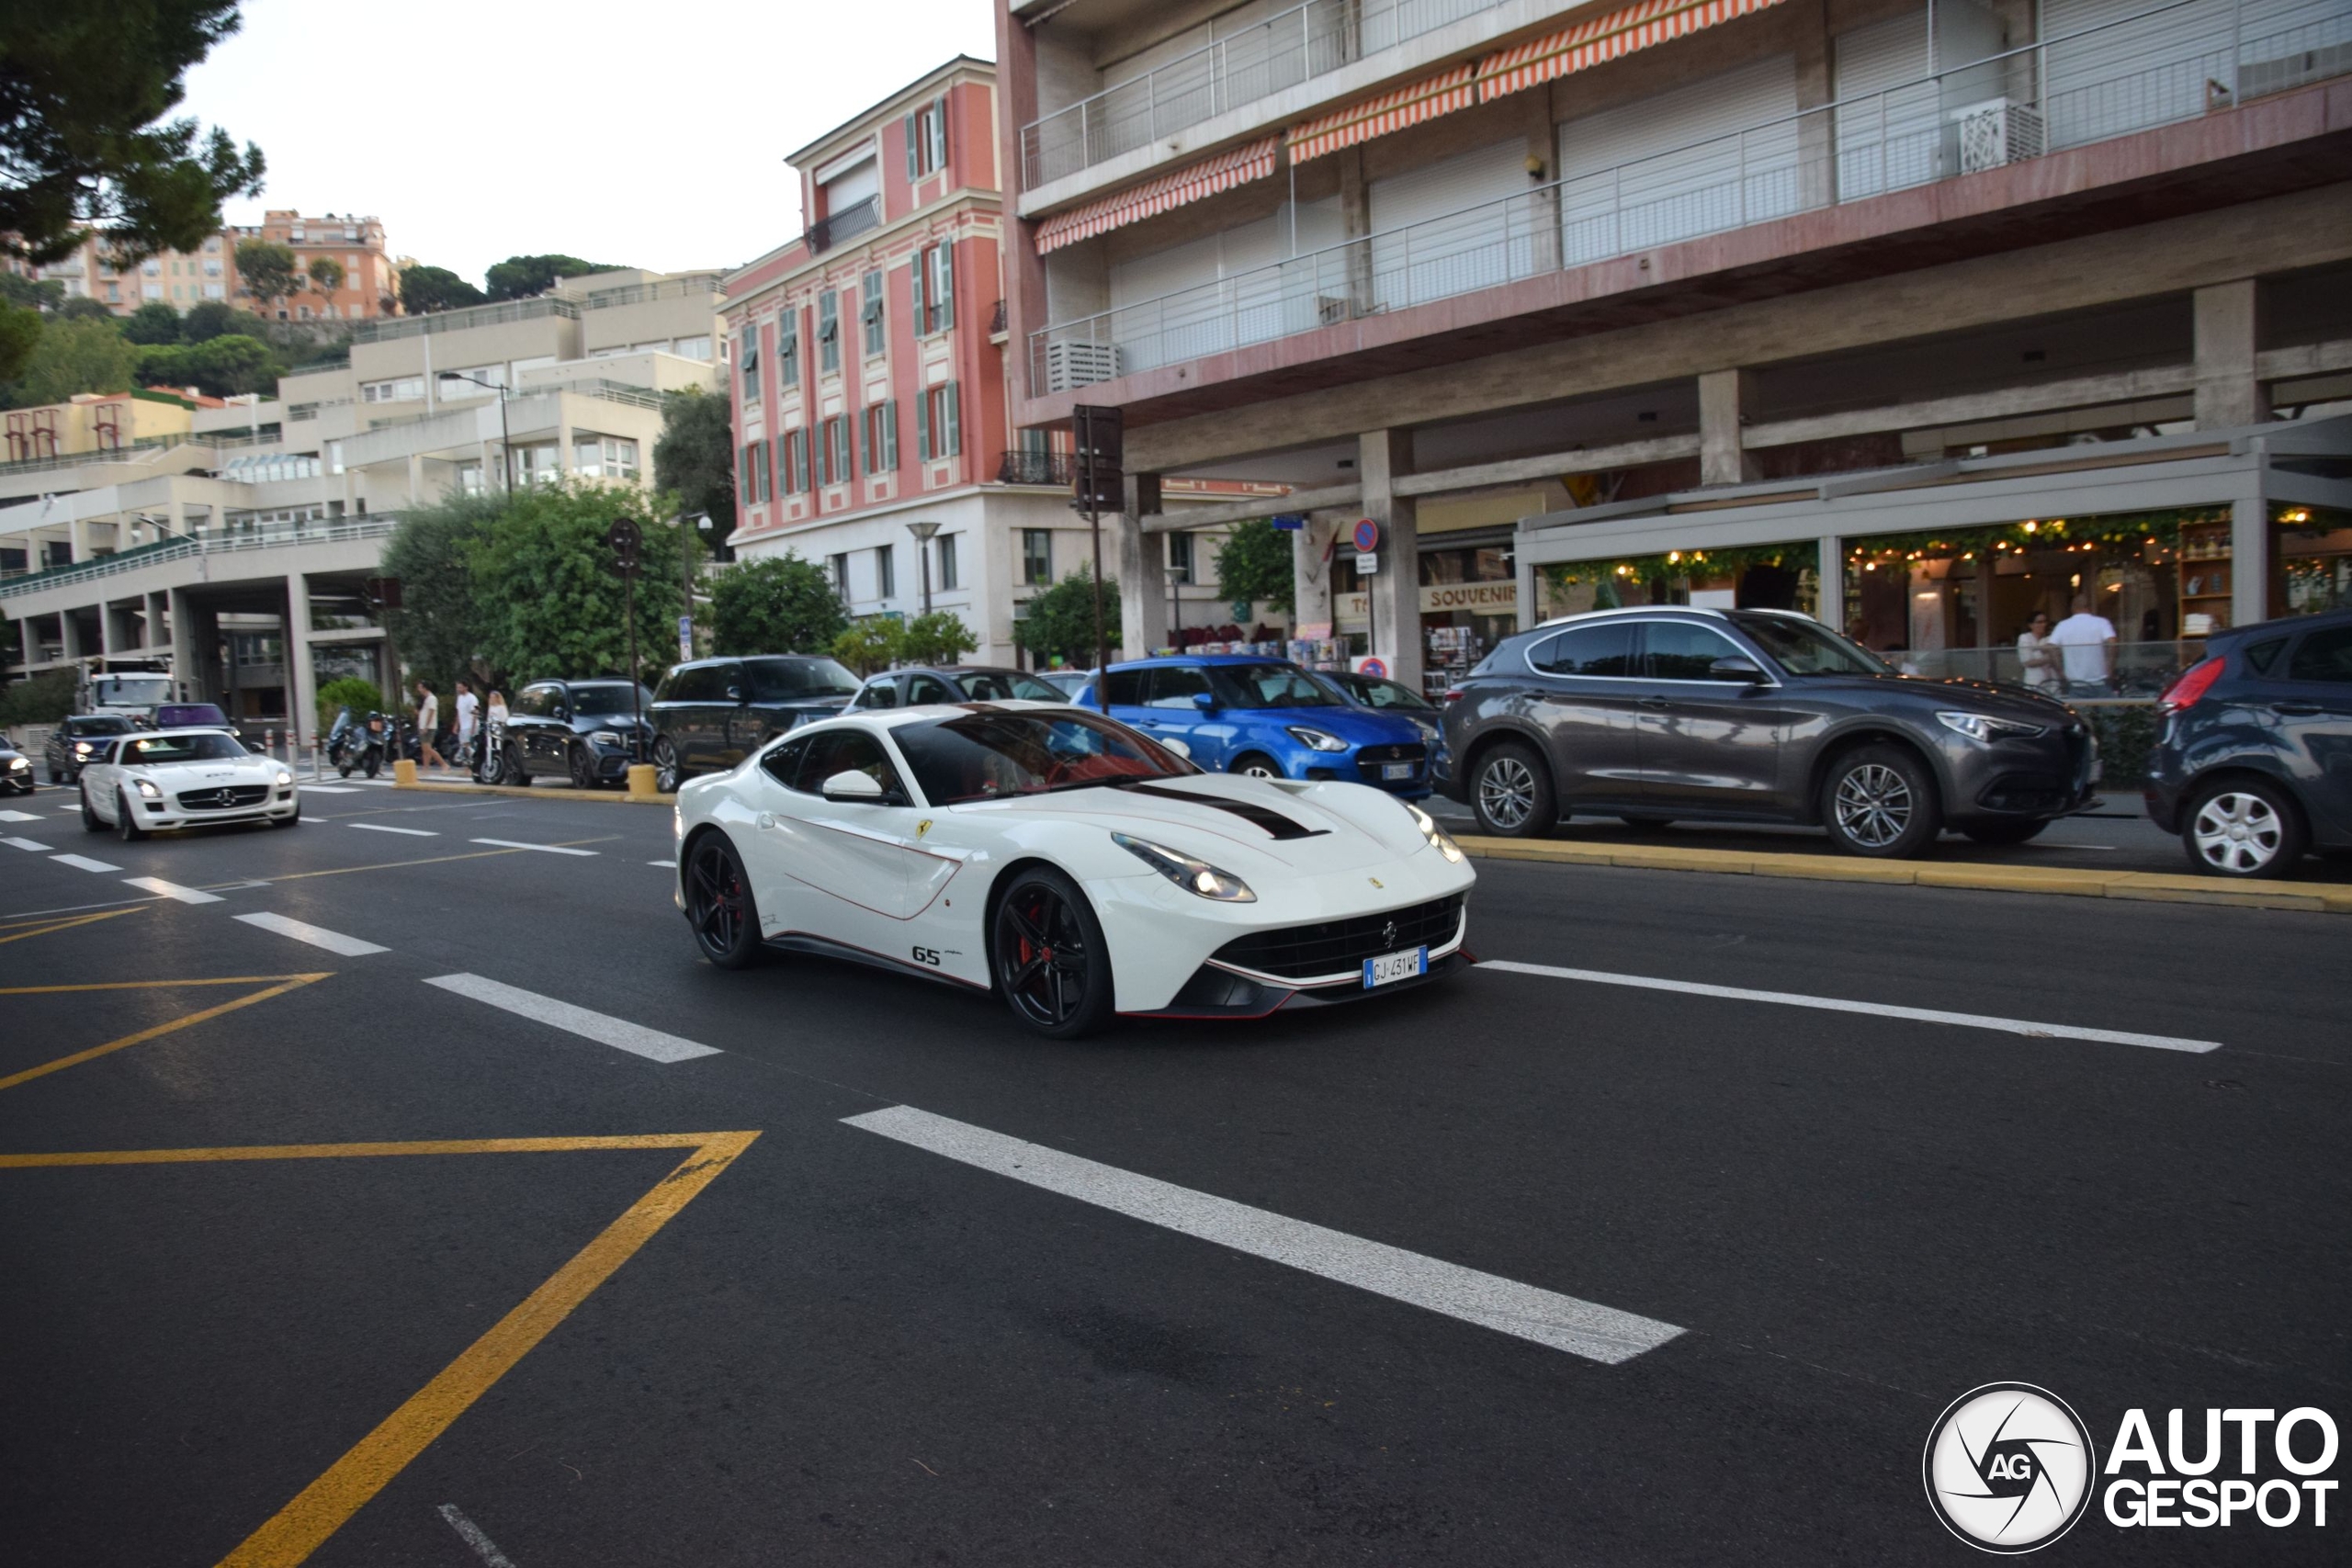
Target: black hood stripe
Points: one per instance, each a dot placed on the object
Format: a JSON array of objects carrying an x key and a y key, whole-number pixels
[{"x": 1276, "y": 825}]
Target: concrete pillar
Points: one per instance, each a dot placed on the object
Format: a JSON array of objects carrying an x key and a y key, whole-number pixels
[
  {"x": 1310, "y": 572},
  {"x": 187, "y": 672},
  {"x": 1808, "y": 25},
  {"x": 1722, "y": 460},
  {"x": 2250, "y": 545},
  {"x": 1829, "y": 573},
  {"x": 158, "y": 628},
  {"x": 1136, "y": 560},
  {"x": 1382, "y": 457},
  {"x": 1355, "y": 225},
  {"x": 69, "y": 636},
  {"x": 301, "y": 675},
  {"x": 1542, "y": 219},
  {"x": 415, "y": 480},
  {"x": 78, "y": 531},
  {"x": 2228, "y": 397}
]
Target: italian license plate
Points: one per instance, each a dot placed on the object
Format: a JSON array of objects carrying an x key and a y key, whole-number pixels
[
  {"x": 1391, "y": 967},
  {"x": 1397, "y": 770}
]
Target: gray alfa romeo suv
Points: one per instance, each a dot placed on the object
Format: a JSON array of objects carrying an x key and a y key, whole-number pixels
[{"x": 1760, "y": 715}]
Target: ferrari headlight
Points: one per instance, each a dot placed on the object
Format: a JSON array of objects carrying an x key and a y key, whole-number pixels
[
  {"x": 1433, "y": 833},
  {"x": 1195, "y": 876},
  {"x": 1977, "y": 727},
  {"x": 1317, "y": 740},
  {"x": 147, "y": 790}
]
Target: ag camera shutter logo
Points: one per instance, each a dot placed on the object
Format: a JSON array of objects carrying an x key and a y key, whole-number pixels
[{"x": 2008, "y": 1468}]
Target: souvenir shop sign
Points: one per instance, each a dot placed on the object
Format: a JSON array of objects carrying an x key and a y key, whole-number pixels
[{"x": 1441, "y": 599}]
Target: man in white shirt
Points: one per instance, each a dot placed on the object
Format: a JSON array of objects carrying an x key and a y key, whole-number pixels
[
  {"x": 2086, "y": 650},
  {"x": 467, "y": 705},
  {"x": 428, "y": 722}
]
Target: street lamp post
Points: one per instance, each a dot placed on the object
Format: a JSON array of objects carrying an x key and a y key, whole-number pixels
[
  {"x": 689, "y": 522},
  {"x": 923, "y": 533},
  {"x": 505, "y": 442}
]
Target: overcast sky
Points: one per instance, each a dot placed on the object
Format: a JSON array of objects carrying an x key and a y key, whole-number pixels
[{"x": 643, "y": 135}]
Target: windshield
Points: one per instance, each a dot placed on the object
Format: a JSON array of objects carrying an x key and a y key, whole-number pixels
[
  {"x": 606, "y": 696},
  {"x": 1808, "y": 648},
  {"x": 208, "y": 748},
  {"x": 105, "y": 724},
  {"x": 999, "y": 685},
  {"x": 1268, "y": 686},
  {"x": 131, "y": 691},
  {"x": 1376, "y": 692},
  {"x": 795, "y": 680},
  {"x": 989, "y": 756}
]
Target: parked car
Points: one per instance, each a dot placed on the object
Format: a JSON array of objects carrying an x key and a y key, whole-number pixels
[
  {"x": 1652, "y": 714},
  {"x": 16, "y": 769},
  {"x": 1383, "y": 696},
  {"x": 575, "y": 730},
  {"x": 191, "y": 715},
  {"x": 713, "y": 713},
  {"x": 1267, "y": 719},
  {"x": 957, "y": 683},
  {"x": 72, "y": 743},
  {"x": 2253, "y": 767},
  {"x": 1069, "y": 683},
  {"x": 1065, "y": 861},
  {"x": 184, "y": 778}
]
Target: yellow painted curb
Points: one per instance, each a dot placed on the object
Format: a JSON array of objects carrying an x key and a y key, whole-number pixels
[
  {"x": 2065, "y": 881},
  {"x": 614, "y": 798}
]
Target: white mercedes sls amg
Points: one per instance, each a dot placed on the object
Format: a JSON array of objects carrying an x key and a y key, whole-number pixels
[
  {"x": 154, "y": 779},
  {"x": 1068, "y": 863}
]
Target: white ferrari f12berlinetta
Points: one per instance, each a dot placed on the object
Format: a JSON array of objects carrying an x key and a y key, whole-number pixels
[{"x": 1073, "y": 866}]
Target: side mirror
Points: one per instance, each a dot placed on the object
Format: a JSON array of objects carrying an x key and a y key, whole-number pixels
[
  {"x": 853, "y": 787},
  {"x": 1744, "y": 670},
  {"x": 735, "y": 694},
  {"x": 1205, "y": 702},
  {"x": 1169, "y": 743}
]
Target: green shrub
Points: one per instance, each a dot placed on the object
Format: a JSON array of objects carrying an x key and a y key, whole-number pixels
[
  {"x": 45, "y": 698},
  {"x": 348, "y": 691},
  {"x": 2127, "y": 732}
]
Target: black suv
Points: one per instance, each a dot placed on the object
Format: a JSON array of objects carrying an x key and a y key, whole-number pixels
[
  {"x": 575, "y": 730},
  {"x": 77, "y": 739},
  {"x": 2255, "y": 764},
  {"x": 1762, "y": 716},
  {"x": 714, "y": 713}
]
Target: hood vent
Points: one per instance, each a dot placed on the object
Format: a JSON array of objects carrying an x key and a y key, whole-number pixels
[{"x": 1276, "y": 825}]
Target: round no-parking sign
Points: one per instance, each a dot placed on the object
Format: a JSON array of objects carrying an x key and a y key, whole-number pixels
[
  {"x": 1374, "y": 666},
  {"x": 1367, "y": 535}
]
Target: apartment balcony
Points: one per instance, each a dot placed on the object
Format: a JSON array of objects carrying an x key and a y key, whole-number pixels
[
  {"x": 387, "y": 328},
  {"x": 2050, "y": 98},
  {"x": 1055, "y": 469},
  {"x": 835, "y": 228},
  {"x": 1292, "y": 47}
]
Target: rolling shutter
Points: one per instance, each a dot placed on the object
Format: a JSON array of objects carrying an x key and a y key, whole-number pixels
[
  {"x": 1459, "y": 237},
  {"x": 2126, "y": 77}
]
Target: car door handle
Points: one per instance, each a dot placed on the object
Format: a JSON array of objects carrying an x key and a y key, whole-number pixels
[
  {"x": 1655, "y": 703},
  {"x": 2296, "y": 710}
]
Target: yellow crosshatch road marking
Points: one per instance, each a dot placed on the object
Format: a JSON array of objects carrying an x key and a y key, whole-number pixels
[
  {"x": 285, "y": 983},
  {"x": 326, "y": 1504},
  {"x": 47, "y": 923}
]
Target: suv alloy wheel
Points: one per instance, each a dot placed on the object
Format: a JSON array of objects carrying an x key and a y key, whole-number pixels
[
  {"x": 1511, "y": 793},
  {"x": 1880, "y": 801}
]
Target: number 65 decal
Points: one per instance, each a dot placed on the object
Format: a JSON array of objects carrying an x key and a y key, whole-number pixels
[{"x": 927, "y": 955}]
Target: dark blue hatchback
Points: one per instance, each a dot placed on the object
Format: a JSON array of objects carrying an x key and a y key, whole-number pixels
[
  {"x": 2255, "y": 764},
  {"x": 1267, "y": 719}
]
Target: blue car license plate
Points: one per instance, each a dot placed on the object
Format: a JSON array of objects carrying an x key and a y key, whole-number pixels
[
  {"x": 1397, "y": 770},
  {"x": 1391, "y": 967}
]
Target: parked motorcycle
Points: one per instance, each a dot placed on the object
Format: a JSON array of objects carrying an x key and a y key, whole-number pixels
[
  {"x": 494, "y": 758},
  {"x": 376, "y": 739},
  {"x": 344, "y": 742}
]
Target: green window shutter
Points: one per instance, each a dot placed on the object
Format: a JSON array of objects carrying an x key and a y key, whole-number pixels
[
  {"x": 952, "y": 418},
  {"x": 945, "y": 289},
  {"x": 938, "y": 133},
  {"x": 782, "y": 467},
  {"x": 866, "y": 440},
  {"x": 914, "y": 290},
  {"x": 923, "y": 427},
  {"x": 891, "y": 435},
  {"x": 914, "y": 150}
]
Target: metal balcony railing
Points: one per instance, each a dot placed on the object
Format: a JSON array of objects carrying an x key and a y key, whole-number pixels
[
  {"x": 385, "y": 328},
  {"x": 325, "y": 532},
  {"x": 854, "y": 219},
  {"x": 126, "y": 453},
  {"x": 2166, "y": 64},
  {"x": 692, "y": 286},
  {"x": 1277, "y": 53},
  {"x": 1056, "y": 469}
]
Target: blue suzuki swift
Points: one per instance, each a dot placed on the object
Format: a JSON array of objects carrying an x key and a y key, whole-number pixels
[{"x": 1266, "y": 719}]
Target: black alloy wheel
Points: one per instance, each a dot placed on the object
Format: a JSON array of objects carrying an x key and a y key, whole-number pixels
[
  {"x": 665, "y": 766},
  {"x": 583, "y": 766},
  {"x": 1880, "y": 801},
  {"x": 90, "y": 823},
  {"x": 1051, "y": 963},
  {"x": 1257, "y": 765},
  {"x": 1511, "y": 794},
  {"x": 720, "y": 906},
  {"x": 1997, "y": 834},
  {"x": 514, "y": 770},
  {"x": 125, "y": 826}
]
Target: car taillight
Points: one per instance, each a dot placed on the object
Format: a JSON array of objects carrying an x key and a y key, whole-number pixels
[
  {"x": 2194, "y": 682},
  {"x": 1455, "y": 693}
]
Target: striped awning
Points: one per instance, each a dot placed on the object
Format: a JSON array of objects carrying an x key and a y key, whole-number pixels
[
  {"x": 1605, "y": 38},
  {"x": 1235, "y": 166},
  {"x": 1425, "y": 99}
]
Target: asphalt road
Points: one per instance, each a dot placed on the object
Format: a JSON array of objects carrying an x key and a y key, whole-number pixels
[{"x": 1805, "y": 1229}]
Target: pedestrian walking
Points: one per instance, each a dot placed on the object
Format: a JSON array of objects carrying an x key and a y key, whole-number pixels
[
  {"x": 2036, "y": 654},
  {"x": 467, "y": 706},
  {"x": 428, "y": 723},
  {"x": 2087, "y": 650}
]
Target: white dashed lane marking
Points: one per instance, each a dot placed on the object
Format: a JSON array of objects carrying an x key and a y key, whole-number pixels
[
  {"x": 1564, "y": 1322},
  {"x": 617, "y": 1032},
  {"x": 385, "y": 828},
  {"x": 172, "y": 890},
  {"x": 1871, "y": 1009},
  {"x": 33, "y": 844},
  {"x": 665, "y": 864},
  {"x": 543, "y": 849},
  {"x": 13, "y": 816},
  {"x": 83, "y": 863},
  {"x": 317, "y": 936},
  {"x": 328, "y": 789}
]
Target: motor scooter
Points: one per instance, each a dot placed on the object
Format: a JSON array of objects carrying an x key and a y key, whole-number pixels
[{"x": 343, "y": 741}]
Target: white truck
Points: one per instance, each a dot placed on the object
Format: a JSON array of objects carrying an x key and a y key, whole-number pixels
[{"x": 133, "y": 689}]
